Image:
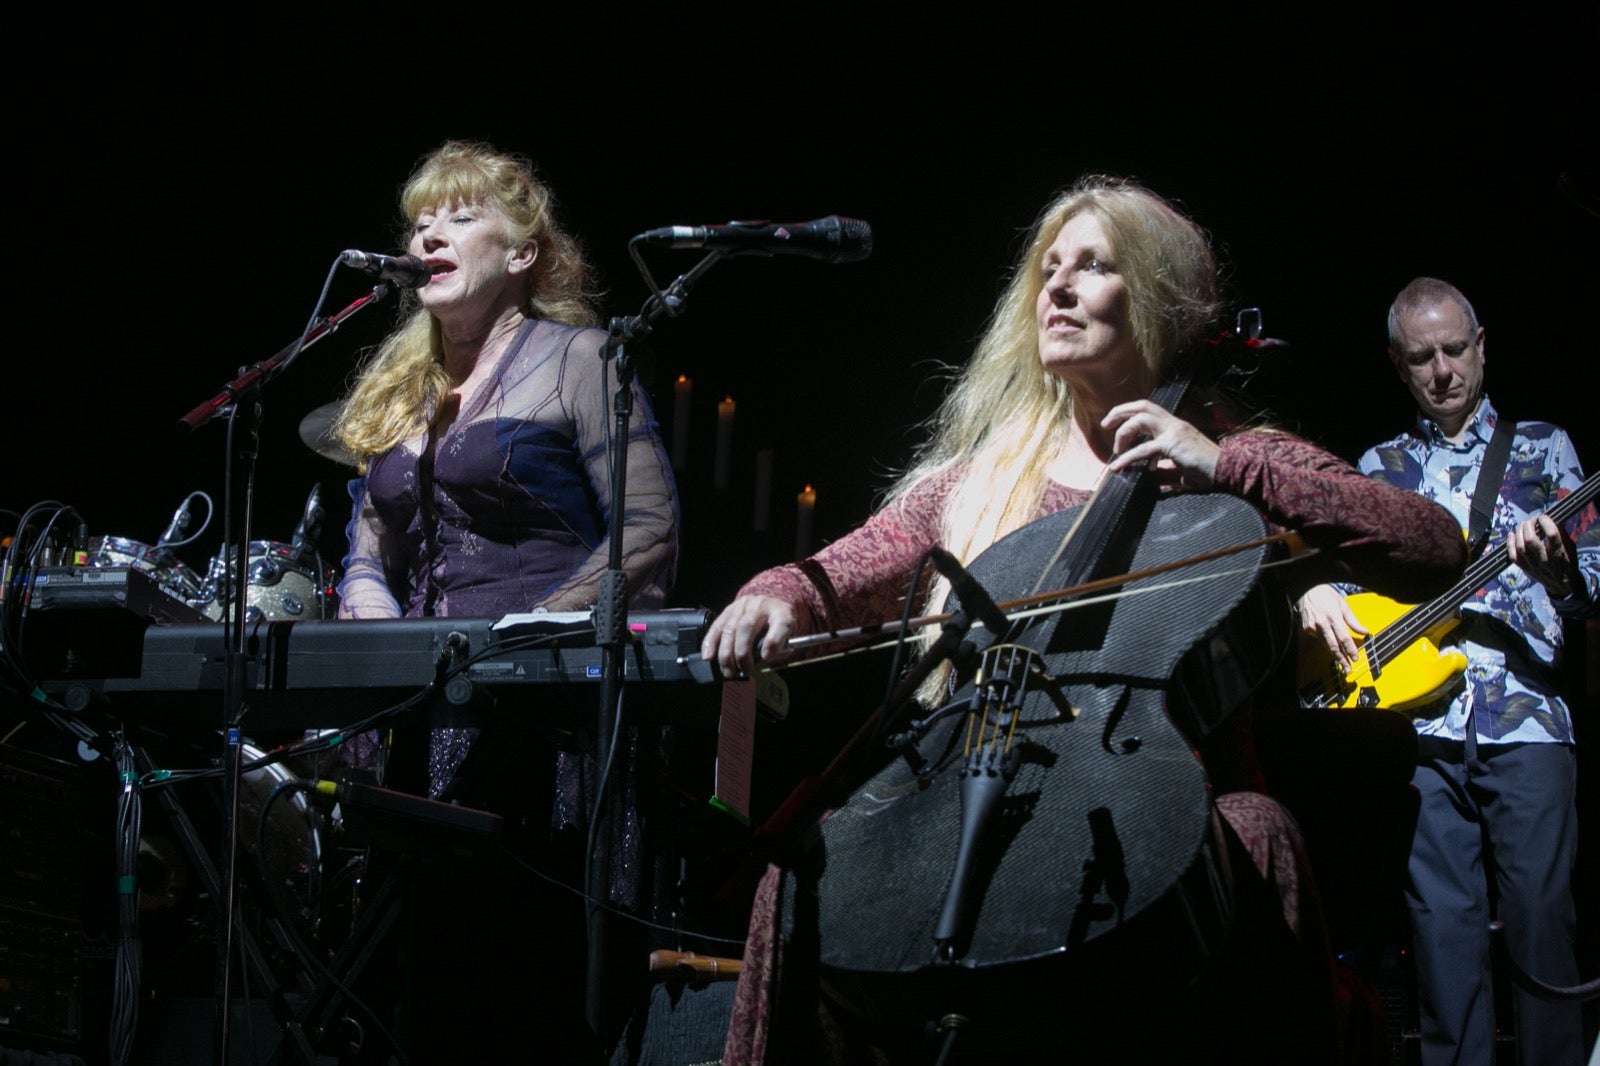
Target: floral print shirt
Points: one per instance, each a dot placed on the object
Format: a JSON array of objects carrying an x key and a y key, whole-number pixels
[{"x": 1513, "y": 632}]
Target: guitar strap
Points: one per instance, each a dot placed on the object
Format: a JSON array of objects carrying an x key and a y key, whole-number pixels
[{"x": 1490, "y": 476}]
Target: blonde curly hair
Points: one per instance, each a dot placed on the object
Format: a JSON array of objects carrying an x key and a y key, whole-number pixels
[{"x": 401, "y": 382}]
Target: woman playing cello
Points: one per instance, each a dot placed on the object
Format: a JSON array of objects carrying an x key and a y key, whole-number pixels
[{"x": 1114, "y": 286}]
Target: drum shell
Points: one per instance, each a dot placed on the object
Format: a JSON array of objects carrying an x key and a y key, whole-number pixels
[
  {"x": 289, "y": 848},
  {"x": 282, "y": 842},
  {"x": 171, "y": 575},
  {"x": 283, "y": 586}
]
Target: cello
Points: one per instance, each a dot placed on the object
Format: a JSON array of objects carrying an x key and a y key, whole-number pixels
[{"x": 1051, "y": 827}]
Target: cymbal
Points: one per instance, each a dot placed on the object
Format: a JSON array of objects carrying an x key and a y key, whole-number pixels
[{"x": 316, "y": 432}]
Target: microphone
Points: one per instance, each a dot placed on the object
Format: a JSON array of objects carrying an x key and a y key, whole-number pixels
[
  {"x": 832, "y": 239},
  {"x": 406, "y": 271},
  {"x": 414, "y": 811},
  {"x": 179, "y": 526},
  {"x": 303, "y": 542},
  {"x": 974, "y": 599}
]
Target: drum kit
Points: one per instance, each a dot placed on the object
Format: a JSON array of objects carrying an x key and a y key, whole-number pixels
[
  {"x": 307, "y": 871},
  {"x": 285, "y": 585},
  {"x": 287, "y": 580}
]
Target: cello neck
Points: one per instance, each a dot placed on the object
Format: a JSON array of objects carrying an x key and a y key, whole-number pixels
[{"x": 1102, "y": 540}]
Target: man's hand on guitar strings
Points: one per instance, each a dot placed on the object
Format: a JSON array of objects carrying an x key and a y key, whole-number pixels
[{"x": 1325, "y": 615}]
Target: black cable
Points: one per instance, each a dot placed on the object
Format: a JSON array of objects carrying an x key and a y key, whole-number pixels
[
  {"x": 1578, "y": 993},
  {"x": 601, "y": 893},
  {"x": 905, "y": 627},
  {"x": 18, "y": 573},
  {"x": 605, "y": 905},
  {"x": 125, "y": 991}
]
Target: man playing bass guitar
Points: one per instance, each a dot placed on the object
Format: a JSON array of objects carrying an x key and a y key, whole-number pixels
[{"x": 1496, "y": 770}]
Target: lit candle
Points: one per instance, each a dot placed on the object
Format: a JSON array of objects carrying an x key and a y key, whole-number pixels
[
  {"x": 802, "y": 522},
  {"x": 719, "y": 471},
  {"x": 763, "y": 509},
  {"x": 681, "y": 393}
]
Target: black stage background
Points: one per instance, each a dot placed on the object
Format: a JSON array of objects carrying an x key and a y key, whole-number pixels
[
  {"x": 178, "y": 194},
  {"x": 178, "y": 200}
]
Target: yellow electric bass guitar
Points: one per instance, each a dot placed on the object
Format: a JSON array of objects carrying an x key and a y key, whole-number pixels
[{"x": 1400, "y": 663}]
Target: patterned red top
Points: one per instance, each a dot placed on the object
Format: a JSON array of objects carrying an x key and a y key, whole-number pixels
[{"x": 1389, "y": 540}]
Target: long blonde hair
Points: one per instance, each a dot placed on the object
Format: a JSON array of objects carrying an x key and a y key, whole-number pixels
[
  {"x": 1005, "y": 417},
  {"x": 401, "y": 383}
]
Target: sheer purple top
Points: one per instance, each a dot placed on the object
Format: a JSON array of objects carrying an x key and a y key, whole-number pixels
[{"x": 508, "y": 509}]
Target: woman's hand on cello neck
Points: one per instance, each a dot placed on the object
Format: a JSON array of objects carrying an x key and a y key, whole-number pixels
[{"x": 1179, "y": 455}]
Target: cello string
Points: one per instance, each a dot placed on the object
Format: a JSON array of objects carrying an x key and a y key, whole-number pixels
[
  {"x": 1067, "y": 537},
  {"x": 1119, "y": 489},
  {"x": 1164, "y": 586}
]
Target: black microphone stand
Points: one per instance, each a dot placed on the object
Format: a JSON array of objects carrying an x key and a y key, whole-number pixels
[
  {"x": 244, "y": 392},
  {"x": 611, "y": 626}
]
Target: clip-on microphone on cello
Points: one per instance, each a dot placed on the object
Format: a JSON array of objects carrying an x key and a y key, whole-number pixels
[
  {"x": 975, "y": 599},
  {"x": 976, "y": 604}
]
